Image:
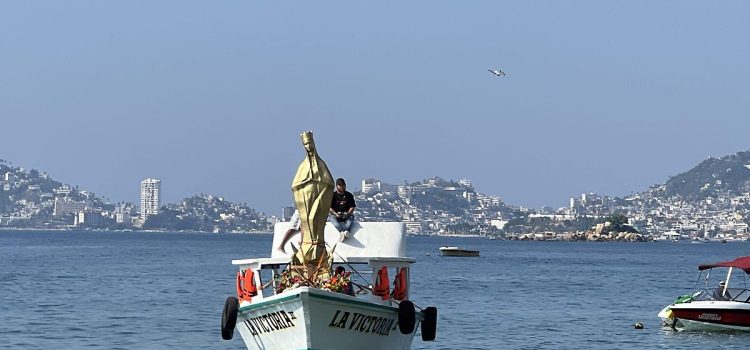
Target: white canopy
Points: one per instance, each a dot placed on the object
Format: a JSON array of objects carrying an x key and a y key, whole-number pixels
[{"x": 367, "y": 239}]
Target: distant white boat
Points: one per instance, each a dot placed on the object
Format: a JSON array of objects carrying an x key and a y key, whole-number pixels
[
  {"x": 668, "y": 236},
  {"x": 456, "y": 251}
]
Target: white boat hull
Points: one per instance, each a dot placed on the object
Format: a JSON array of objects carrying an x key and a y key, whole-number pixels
[
  {"x": 308, "y": 318},
  {"x": 667, "y": 317}
]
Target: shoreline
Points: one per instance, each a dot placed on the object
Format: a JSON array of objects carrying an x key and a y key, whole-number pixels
[
  {"x": 456, "y": 235},
  {"x": 17, "y": 229}
]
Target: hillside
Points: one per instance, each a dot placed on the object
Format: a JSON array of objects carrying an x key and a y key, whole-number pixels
[
  {"x": 27, "y": 198},
  {"x": 30, "y": 199},
  {"x": 208, "y": 213},
  {"x": 713, "y": 176}
]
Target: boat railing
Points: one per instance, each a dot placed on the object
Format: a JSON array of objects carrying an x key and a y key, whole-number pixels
[{"x": 266, "y": 275}]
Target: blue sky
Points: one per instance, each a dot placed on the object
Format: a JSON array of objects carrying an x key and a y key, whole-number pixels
[{"x": 210, "y": 97}]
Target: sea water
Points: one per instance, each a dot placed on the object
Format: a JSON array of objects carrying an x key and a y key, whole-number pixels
[{"x": 135, "y": 290}]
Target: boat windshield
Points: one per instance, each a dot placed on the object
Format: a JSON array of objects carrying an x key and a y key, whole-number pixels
[
  {"x": 715, "y": 287},
  {"x": 731, "y": 294}
]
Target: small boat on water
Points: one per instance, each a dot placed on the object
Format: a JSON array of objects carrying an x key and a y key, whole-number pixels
[
  {"x": 456, "y": 251},
  {"x": 671, "y": 236},
  {"x": 712, "y": 308}
]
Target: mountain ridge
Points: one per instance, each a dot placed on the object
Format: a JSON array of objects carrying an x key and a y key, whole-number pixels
[{"x": 728, "y": 174}]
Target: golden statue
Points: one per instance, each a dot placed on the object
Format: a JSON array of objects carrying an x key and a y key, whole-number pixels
[{"x": 313, "y": 192}]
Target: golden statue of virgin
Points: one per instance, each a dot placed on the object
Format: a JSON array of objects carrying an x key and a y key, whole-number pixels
[{"x": 313, "y": 192}]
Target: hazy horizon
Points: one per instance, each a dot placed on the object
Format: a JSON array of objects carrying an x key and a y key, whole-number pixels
[{"x": 603, "y": 97}]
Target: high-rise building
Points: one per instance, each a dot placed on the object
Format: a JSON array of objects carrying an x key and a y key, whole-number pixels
[
  {"x": 286, "y": 213},
  {"x": 150, "y": 197}
]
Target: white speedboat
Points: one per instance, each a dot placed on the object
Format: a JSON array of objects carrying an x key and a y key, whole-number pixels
[
  {"x": 719, "y": 308},
  {"x": 372, "y": 312},
  {"x": 456, "y": 251}
]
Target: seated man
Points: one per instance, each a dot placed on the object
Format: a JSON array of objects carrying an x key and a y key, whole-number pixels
[
  {"x": 720, "y": 293},
  {"x": 342, "y": 209},
  {"x": 294, "y": 225}
]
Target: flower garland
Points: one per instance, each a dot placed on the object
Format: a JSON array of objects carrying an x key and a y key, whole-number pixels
[{"x": 339, "y": 283}]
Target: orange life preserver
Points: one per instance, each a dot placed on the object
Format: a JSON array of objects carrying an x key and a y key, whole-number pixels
[
  {"x": 399, "y": 285},
  {"x": 382, "y": 285},
  {"x": 240, "y": 290},
  {"x": 246, "y": 288}
]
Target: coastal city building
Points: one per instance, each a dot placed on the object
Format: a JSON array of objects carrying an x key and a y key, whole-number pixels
[
  {"x": 150, "y": 197},
  {"x": 64, "y": 206},
  {"x": 286, "y": 213},
  {"x": 89, "y": 218},
  {"x": 122, "y": 214},
  {"x": 370, "y": 186}
]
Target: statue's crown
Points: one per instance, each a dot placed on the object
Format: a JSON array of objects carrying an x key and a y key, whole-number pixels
[{"x": 307, "y": 136}]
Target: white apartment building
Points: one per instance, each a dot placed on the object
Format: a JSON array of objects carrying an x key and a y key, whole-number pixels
[
  {"x": 64, "y": 206},
  {"x": 150, "y": 197},
  {"x": 404, "y": 191},
  {"x": 89, "y": 217},
  {"x": 370, "y": 185}
]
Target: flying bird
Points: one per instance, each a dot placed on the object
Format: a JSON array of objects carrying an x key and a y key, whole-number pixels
[{"x": 497, "y": 72}]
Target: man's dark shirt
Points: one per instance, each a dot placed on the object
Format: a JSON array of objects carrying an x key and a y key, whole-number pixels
[{"x": 342, "y": 202}]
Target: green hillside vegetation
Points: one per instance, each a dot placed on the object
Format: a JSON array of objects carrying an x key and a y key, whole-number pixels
[
  {"x": 440, "y": 200},
  {"x": 525, "y": 224},
  {"x": 31, "y": 187},
  {"x": 207, "y": 213},
  {"x": 617, "y": 223},
  {"x": 712, "y": 176}
]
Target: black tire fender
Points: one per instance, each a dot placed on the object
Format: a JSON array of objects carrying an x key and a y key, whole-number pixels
[
  {"x": 407, "y": 317},
  {"x": 229, "y": 318},
  {"x": 429, "y": 323}
]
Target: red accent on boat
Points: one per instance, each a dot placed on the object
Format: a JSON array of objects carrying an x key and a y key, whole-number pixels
[
  {"x": 246, "y": 288},
  {"x": 399, "y": 285},
  {"x": 740, "y": 263},
  {"x": 382, "y": 284},
  {"x": 732, "y": 317}
]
